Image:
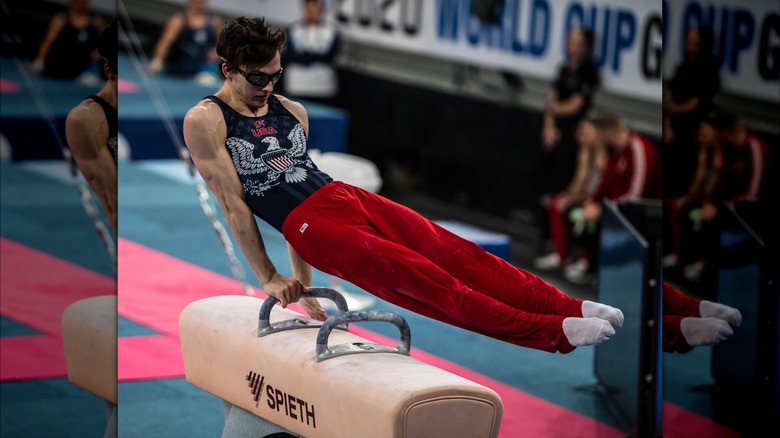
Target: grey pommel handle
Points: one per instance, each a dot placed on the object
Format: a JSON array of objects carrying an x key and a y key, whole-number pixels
[
  {"x": 265, "y": 327},
  {"x": 324, "y": 352}
]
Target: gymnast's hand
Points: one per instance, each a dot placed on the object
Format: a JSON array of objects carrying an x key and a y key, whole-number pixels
[
  {"x": 591, "y": 211},
  {"x": 708, "y": 211},
  {"x": 286, "y": 289},
  {"x": 313, "y": 308},
  {"x": 550, "y": 137}
]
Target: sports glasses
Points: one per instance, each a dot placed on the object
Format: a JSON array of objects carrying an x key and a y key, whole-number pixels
[{"x": 261, "y": 79}]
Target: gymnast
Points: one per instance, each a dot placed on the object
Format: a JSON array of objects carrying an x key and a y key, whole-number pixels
[
  {"x": 91, "y": 134},
  {"x": 91, "y": 129},
  {"x": 249, "y": 145}
]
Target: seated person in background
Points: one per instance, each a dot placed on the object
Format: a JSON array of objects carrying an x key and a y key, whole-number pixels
[
  {"x": 308, "y": 60},
  {"x": 186, "y": 45},
  {"x": 632, "y": 171},
  {"x": 746, "y": 157},
  {"x": 689, "y": 322},
  {"x": 569, "y": 98},
  {"x": 682, "y": 212},
  {"x": 69, "y": 47},
  {"x": 591, "y": 158}
]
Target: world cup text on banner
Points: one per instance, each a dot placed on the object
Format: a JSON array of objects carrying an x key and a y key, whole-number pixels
[
  {"x": 747, "y": 42},
  {"x": 636, "y": 42}
]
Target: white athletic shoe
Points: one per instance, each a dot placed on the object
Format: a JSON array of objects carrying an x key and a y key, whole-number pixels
[
  {"x": 549, "y": 261},
  {"x": 693, "y": 271},
  {"x": 670, "y": 260},
  {"x": 577, "y": 272},
  {"x": 206, "y": 79},
  {"x": 88, "y": 79}
]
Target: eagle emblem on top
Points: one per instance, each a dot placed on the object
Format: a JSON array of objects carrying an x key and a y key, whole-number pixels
[{"x": 276, "y": 160}]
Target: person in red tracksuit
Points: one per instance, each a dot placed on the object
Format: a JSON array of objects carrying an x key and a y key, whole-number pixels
[
  {"x": 249, "y": 145},
  {"x": 681, "y": 216},
  {"x": 748, "y": 157},
  {"x": 632, "y": 171},
  {"x": 741, "y": 185},
  {"x": 591, "y": 159}
]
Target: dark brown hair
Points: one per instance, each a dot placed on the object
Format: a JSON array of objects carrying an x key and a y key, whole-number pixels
[
  {"x": 608, "y": 121},
  {"x": 724, "y": 120},
  {"x": 107, "y": 47},
  {"x": 245, "y": 41}
]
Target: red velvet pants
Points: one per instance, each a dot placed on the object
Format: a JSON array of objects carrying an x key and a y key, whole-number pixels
[
  {"x": 560, "y": 228},
  {"x": 403, "y": 258},
  {"x": 676, "y": 306}
]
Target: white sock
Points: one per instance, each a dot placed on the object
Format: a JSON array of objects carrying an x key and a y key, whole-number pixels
[
  {"x": 729, "y": 314},
  {"x": 704, "y": 331},
  {"x": 603, "y": 311},
  {"x": 587, "y": 331}
]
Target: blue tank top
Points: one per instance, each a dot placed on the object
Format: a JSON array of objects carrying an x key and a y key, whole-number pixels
[
  {"x": 111, "y": 118},
  {"x": 269, "y": 154},
  {"x": 70, "y": 54},
  {"x": 189, "y": 53}
]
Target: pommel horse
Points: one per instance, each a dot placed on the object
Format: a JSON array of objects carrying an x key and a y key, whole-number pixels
[
  {"x": 316, "y": 379},
  {"x": 89, "y": 341}
]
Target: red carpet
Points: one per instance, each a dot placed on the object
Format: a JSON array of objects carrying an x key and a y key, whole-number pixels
[
  {"x": 7, "y": 86},
  {"x": 31, "y": 358},
  {"x": 156, "y": 288},
  {"x": 125, "y": 86},
  {"x": 681, "y": 423},
  {"x": 36, "y": 297}
]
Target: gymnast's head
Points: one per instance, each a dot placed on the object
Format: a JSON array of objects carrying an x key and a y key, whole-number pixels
[
  {"x": 250, "y": 47},
  {"x": 107, "y": 49},
  {"x": 612, "y": 128}
]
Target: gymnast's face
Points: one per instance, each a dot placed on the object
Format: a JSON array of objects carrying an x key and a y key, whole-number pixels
[
  {"x": 734, "y": 137},
  {"x": 705, "y": 134},
  {"x": 587, "y": 135},
  {"x": 613, "y": 138},
  {"x": 692, "y": 43},
  {"x": 197, "y": 5},
  {"x": 575, "y": 44},
  {"x": 313, "y": 11},
  {"x": 253, "y": 95},
  {"x": 79, "y": 5}
]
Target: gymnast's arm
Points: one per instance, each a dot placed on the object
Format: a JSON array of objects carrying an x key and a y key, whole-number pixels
[
  {"x": 56, "y": 24},
  {"x": 204, "y": 134},
  {"x": 86, "y": 131},
  {"x": 696, "y": 188},
  {"x": 301, "y": 269},
  {"x": 173, "y": 27},
  {"x": 566, "y": 108}
]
